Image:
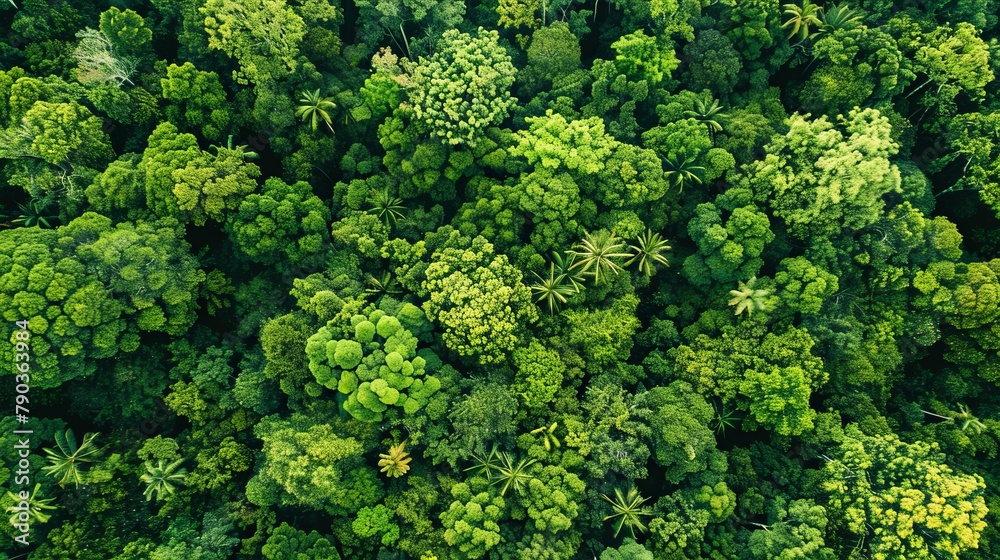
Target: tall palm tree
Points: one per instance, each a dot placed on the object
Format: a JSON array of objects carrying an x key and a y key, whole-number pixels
[
  {"x": 486, "y": 465},
  {"x": 553, "y": 289},
  {"x": 839, "y": 16},
  {"x": 597, "y": 254},
  {"x": 628, "y": 509},
  {"x": 161, "y": 479},
  {"x": 511, "y": 475},
  {"x": 314, "y": 108},
  {"x": 802, "y": 17},
  {"x": 682, "y": 171},
  {"x": 724, "y": 418},
  {"x": 396, "y": 463},
  {"x": 36, "y": 506},
  {"x": 747, "y": 298},
  {"x": 708, "y": 113},
  {"x": 964, "y": 415},
  {"x": 387, "y": 206},
  {"x": 564, "y": 262},
  {"x": 647, "y": 254},
  {"x": 65, "y": 462},
  {"x": 383, "y": 286}
]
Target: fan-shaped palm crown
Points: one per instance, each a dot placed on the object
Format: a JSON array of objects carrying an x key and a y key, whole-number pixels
[{"x": 597, "y": 254}]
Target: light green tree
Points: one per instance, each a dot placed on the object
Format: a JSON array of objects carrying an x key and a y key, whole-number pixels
[
  {"x": 471, "y": 523},
  {"x": 822, "y": 179},
  {"x": 478, "y": 299},
  {"x": 902, "y": 497},
  {"x": 262, "y": 35},
  {"x": 463, "y": 88}
]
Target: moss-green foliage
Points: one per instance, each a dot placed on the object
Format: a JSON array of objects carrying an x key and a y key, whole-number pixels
[
  {"x": 376, "y": 365},
  {"x": 251, "y": 312}
]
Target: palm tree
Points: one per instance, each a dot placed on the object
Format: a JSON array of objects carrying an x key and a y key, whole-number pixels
[
  {"x": 628, "y": 509},
  {"x": 553, "y": 290},
  {"x": 648, "y": 252},
  {"x": 839, "y": 16},
  {"x": 682, "y": 171},
  {"x": 597, "y": 253},
  {"x": 724, "y": 418},
  {"x": 386, "y": 206},
  {"x": 801, "y": 18},
  {"x": 36, "y": 506},
  {"x": 707, "y": 113},
  {"x": 549, "y": 435},
  {"x": 383, "y": 286},
  {"x": 511, "y": 475},
  {"x": 747, "y": 298},
  {"x": 160, "y": 479},
  {"x": 313, "y": 108},
  {"x": 396, "y": 463},
  {"x": 964, "y": 415},
  {"x": 65, "y": 463},
  {"x": 485, "y": 466},
  {"x": 564, "y": 266}
]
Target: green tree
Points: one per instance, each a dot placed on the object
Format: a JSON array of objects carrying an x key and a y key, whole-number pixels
[
  {"x": 603, "y": 337},
  {"x": 678, "y": 419},
  {"x": 209, "y": 186},
  {"x": 802, "y": 286},
  {"x": 286, "y": 542},
  {"x": 539, "y": 374},
  {"x": 376, "y": 366},
  {"x": 196, "y": 101},
  {"x": 779, "y": 399},
  {"x": 821, "y": 179},
  {"x": 412, "y": 26},
  {"x": 797, "y": 532},
  {"x": 128, "y": 33},
  {"x": 284, "y": 223},
  {"x": 148, "y": 267},
  {"x": 263, "y": 36},
  {"x": 478, "y": 299},
  {"x": 903, "y": 498},
  {"x": 376, "y": 522},
  {"x": 729, "y": 246},
  {"x": 955, "y": 56},
  {"x": 712, "y": 63},
  {"x": 642, "y": 57},
  {"x": 463, "y": 88},
  {"x": 308, "y": 464},
  {"x": 471, "y": 523}
]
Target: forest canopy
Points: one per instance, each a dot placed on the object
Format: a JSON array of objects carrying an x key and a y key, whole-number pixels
[{"x": 499, "y": 279}]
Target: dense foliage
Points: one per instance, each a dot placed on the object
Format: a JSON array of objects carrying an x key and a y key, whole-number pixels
[{"x": 511, "y": 280}]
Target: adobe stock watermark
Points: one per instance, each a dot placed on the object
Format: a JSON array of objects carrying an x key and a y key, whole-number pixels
[{"x": 21, "y": 510}]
